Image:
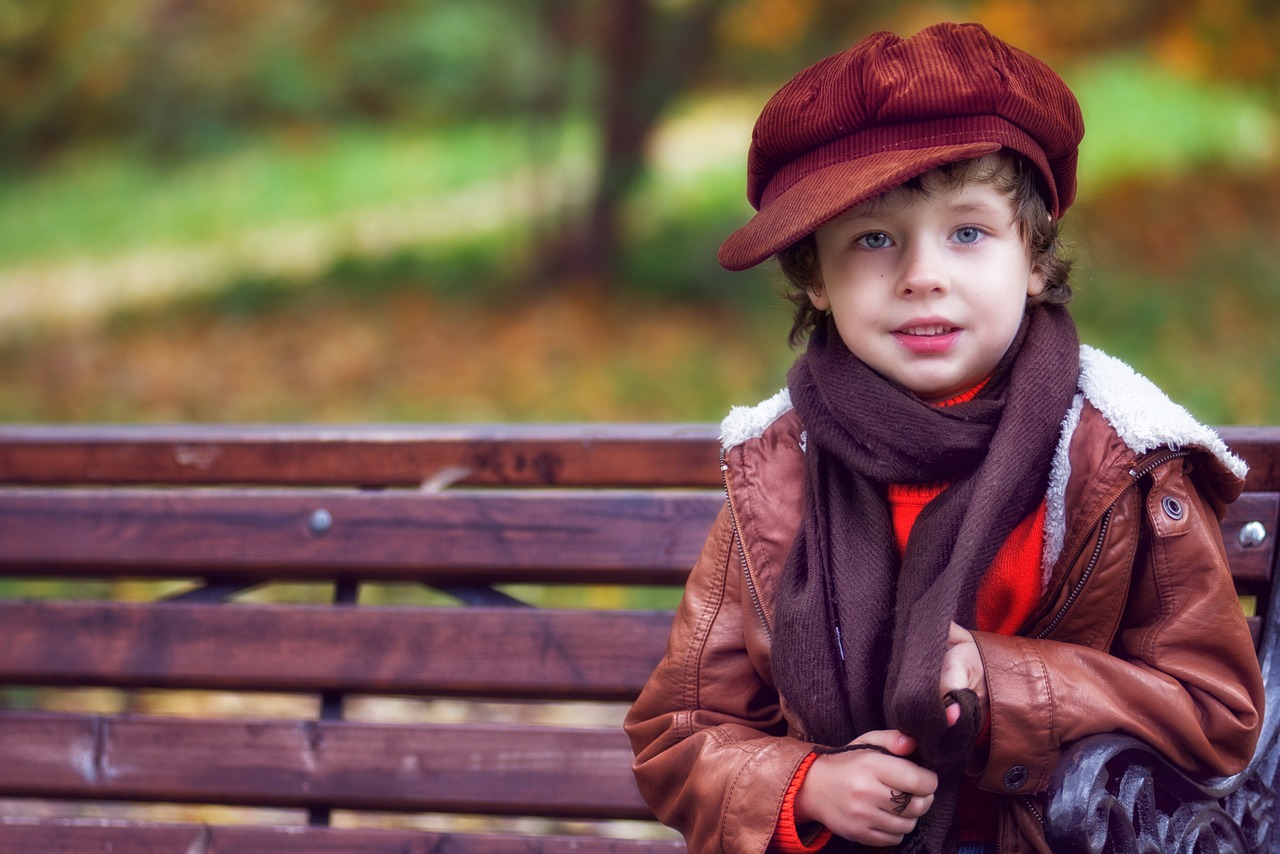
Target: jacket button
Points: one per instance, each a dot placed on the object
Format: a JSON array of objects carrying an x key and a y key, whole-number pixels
[
  {"x": 1172, "y": 507},
  {"x": 1016, "y": 777}
]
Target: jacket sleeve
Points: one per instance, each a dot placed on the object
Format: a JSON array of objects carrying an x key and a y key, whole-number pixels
[
  {"x": 1180, "y": 672},
  {"x": 713, "y": 759}
]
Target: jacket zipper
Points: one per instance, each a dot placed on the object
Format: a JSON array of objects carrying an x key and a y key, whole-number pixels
[
  {"x": 742, "y": 550},
  {"x": 1103, "y": 523},
  {"x": 1155, "y": 463}
]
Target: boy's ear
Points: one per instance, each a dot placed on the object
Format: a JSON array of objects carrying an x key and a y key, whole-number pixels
[
  {"x": 818, "y": 296},
  {"x": 1036, "y": 282}
]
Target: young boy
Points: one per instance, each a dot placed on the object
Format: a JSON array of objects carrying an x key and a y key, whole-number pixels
[{"x": 958, "y": 541}]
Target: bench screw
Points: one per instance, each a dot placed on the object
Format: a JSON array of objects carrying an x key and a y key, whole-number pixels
[
  {"x": 1252, "y": 534},
  {"x": 320, "y": 523}
]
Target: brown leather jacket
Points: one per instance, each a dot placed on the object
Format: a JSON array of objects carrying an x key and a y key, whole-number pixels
[{"x": 1140, "y": 630}]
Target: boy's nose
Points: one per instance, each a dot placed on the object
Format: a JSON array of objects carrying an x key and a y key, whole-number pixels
[{"x": 922, "y": 273}]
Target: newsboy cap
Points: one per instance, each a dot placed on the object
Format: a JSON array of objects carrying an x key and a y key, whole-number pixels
[{"x": 861, "y": 122}]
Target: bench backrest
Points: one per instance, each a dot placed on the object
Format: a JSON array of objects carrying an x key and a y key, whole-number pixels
[{"x": 292, "y": 564}]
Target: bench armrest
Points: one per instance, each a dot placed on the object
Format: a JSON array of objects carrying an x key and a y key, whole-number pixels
[{"x": 1114, "y": 793}]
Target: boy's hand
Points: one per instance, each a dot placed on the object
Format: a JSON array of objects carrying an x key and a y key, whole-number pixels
[
  {"x": 962, "y": 669},
  {"x": 861, "y": 795}
]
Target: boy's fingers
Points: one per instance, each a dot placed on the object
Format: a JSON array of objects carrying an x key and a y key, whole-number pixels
[
  {"x": 955, "y": 675},
  {"x": 891, "y": 740},
  {"x": 914, "y": 780}
]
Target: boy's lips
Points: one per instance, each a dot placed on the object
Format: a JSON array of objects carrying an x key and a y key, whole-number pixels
[{"x": 927, "y": 337}]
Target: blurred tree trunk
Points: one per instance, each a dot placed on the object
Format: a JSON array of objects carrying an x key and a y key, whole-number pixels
[{"x": 647, "y": 55}]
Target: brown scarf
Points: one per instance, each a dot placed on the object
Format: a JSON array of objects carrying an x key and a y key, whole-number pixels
[{"x": 861, "y": 633}]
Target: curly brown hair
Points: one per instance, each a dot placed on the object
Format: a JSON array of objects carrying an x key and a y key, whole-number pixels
[{"x": 1010, "y": 174}]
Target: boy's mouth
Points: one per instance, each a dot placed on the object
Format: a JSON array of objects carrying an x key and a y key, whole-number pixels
[
  {"x": 927, "y": 330},
  {"x": 928, "y": 339}
]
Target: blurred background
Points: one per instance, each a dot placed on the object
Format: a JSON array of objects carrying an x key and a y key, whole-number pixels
[{"x": 476, "y": 210}]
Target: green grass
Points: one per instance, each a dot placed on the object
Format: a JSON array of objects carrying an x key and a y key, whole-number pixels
[
  {"x": 108, "y": 201},
  {"x": 1142, "y": 120}
]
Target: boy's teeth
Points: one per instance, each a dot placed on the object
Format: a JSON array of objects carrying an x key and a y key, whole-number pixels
[{"x": 927, "y": 330}]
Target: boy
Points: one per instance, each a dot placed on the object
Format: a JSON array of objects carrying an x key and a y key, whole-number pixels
[{"x": 958, "y": 541}]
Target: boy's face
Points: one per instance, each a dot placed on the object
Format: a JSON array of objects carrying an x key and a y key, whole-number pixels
[{"x": 927, "y": 288}]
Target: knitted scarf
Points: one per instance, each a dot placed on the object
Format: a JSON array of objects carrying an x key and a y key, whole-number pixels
[{"x": 860, "y": 633}]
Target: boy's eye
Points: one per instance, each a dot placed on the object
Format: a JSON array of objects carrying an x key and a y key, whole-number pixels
[
  {"x": 874, "y": 240},
  {"x": 968, "y": 234}
]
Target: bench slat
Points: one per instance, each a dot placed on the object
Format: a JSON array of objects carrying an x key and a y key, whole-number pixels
[
  {"x": 486, "y": 770},
  {"x": 86, "y": 837},
  {"x": 565, "y": 455},
  {"x": 1251, "y": 565},
  {"x": 557, "y": 536},
  {"x": 370, "y": 455},
  {"x": 546, "y": 536},
  {"x": 479, "y": 652},
  {"x": 95, "y": 838}
]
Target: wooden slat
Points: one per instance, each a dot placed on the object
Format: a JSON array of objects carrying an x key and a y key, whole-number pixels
[
  {"x": 482, "y": 652},
  {"x": 565, "y": 455},
  {"x": 561, "y": 535},
  {"x": 548, "y": 536},
  {"x": 473, "y": 769},
  {"x": 1251, "y": 565},
  {"x": 96, "y": 837},
  {"x": 497, "y": 454},
  {"x": 65, "y": 837}
]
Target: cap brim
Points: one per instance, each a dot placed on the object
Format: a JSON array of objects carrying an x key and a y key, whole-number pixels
[{"x": 824, "y": 194}]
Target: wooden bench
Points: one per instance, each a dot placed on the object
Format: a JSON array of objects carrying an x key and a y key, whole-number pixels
[{"x": 320, "y": 639}]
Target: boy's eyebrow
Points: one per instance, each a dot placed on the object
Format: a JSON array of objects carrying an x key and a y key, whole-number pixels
[{"x": 979, "y": 207}]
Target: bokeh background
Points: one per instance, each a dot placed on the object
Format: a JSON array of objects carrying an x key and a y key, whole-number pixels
[{"x": 494, "y": 210}]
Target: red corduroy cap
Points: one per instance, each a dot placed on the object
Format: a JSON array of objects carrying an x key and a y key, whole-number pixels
[{"x": 859, "y": 123}]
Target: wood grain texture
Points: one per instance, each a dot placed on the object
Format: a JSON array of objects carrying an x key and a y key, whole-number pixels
[
  {"x": 562, "y": 455},
  {"x": 556, "y": 536},
  {"x": 467, "y": 768},
  {"x": 475, "y": 652}
]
